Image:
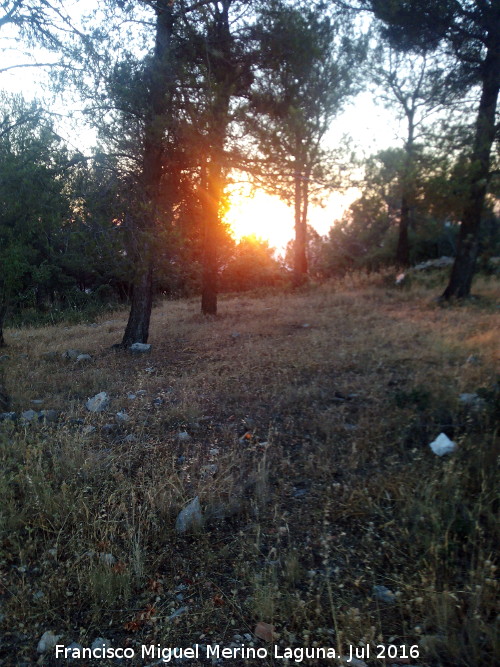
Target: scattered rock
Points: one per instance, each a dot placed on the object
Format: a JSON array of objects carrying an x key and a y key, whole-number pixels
[
  {"x": 4, "y": 416},
  {"x": 37, "y": 401},
  {"x": 473, "y": 360},
  {"x": 142, "y": 392},
  {"x": 130, "y": 438},
  {"x": 190, "y": 518},
  {"x": 214, "y": 451},
  {"x": 48, "y": 416},
  {"x": 131, "y": 396},
  {"x": 81, "y": 358},
  {"x": 77, "y": 648},
  {"x": 472, "y": 401},
  {"x": 442, "y": 445},
  {"x": 264, "y": 631},
  {"x": 138, "y": 348},
  {"x": 108, "y": 428},
  {"x": 29, "y": 415},
  {"x": 177, "y": 613},
  {"x": 101, "y": 642},
  {"x": 183, "y": 436},
  {"x": 87, "y": 430},
  {"x": 122, "y": 417},
  {"x": 210, "y": 470},
  {"x": 4, "y": 357},
  {"x": 235, "y": 335},
  {"x": 440, "y": 263},
  {"x": 383, "y": 594},
  {"x": 158, "y": 401},
  {"x": 47, "y": 641},
  {"x": 71, "y": 355},
  {"x": 98, "y": 403}
]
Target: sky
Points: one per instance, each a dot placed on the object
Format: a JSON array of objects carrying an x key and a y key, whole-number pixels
[{"x": 371, "y": 127}]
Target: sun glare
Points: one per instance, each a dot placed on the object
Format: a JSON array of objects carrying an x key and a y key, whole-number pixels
[
  {"x": 267, "y": 217},
  {"x": 261, "y": 215}
]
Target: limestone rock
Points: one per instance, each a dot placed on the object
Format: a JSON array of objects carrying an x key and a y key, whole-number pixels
[
  {"x": 98, "y": 403},
  {"x": 71, "y": 355},
  {"x": 190, "y": 518},
  {"x": 442, "y": 445},
  {"x": 83, "y": 358},
  {"x": 138, "y": 348},
  {"x": 47, "y": 641}
]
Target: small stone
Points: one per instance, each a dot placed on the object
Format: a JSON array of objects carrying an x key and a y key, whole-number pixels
[
  {"x": 142, "y": 392},
  {"x": 87, "y": 430},
  {"x": 264, "y": 631},
  {"x": 101, "y": 643},
  {"x": 37, "y": 401},
  {"x": 183, "y": 436},
  {"x": 209, "y": 469},
  {"x": 214, "y": 451},
  {"x": 472, "y": 401},
  {"x": 383, "y": 594},
  {"x": 190, "y": 518},
  {"x": 108, "y": 428},
  {"x": 158, "y": 401},
  {"x": 235, "y": 335},
  {"x": 98, "y": 403},
  {"x": 38, "y": 595},
  {"x": 82, "y": 358},
  {"x": 131, "y": 396},
  {"x": 29, "y": 415},
  {"x": 140, "y": 348},
  {"x": 473, "y": 359},
  {"x": 130, "y": 438},
  {"x": 71, "y": 355},
  {"x": 4, "y": 357},
  {"x": 47, "y": 641},
  {"x": 107, "y": 559},
  {"x": 177, "y": 613},
  {"x": 442, "y": 445},
  {"x": 4, "y": 416},
  {"x": 122, "y": 417},
  {"x": 48, "y": 416}
]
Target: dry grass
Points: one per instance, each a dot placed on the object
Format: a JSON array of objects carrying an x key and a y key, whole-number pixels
[{"x": 340, "y": 389}]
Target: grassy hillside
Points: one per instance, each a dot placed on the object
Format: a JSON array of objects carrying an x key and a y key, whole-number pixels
[{"x": 302, "y": 421}]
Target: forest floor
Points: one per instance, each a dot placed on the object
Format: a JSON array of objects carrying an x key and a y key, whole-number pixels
[{"x": 302, "y": 422}]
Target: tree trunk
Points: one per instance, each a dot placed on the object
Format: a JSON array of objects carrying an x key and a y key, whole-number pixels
[
  {"x": 300, "y": 247},
  {"x": 408, "y": 193},
  {"x": 211, "y": 223},
  {"x": 3, "y": 312},
  {"x": 161, "y": 82},
  {"x": 221, "y": 81},
  {"x": 403, "y": 248},
  {"x": 463, "y": 268},
  {"x": 137, "y": 330}
]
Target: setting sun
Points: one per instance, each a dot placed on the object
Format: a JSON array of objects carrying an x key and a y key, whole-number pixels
[
  {"x": 267, "y": 217},
  {"x": 259, "y": 214}
]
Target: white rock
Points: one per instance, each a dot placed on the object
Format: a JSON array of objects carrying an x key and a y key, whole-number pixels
[
  {"x": 183, "y": 436},
  {"x": 107, "y": 559},
  {"x": 122, "y": 417},
  {"x": 98, "y": 403},
  {"x": 71, "y": 355},
  {"x": 47, "y": 641},
  {"x": 83, "y": 357},
  {"x": 442, "y": 445},
  {"x": 190, "y": 518},
  {"x": 29, "y": 415},
  {"x": 140, "y": 347},
  {"x": 100, "y": 642}
]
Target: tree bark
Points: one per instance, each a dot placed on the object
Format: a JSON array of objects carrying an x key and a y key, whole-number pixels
[
  {"x": 463, "y": 268},
  {"x": 161, "y": 80},
  {"x": 408, "y": 192},
  {"x": 3, "y": 312},
  {"x": 221, "y": 80},
  {"x": 300, "y": 203}
]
